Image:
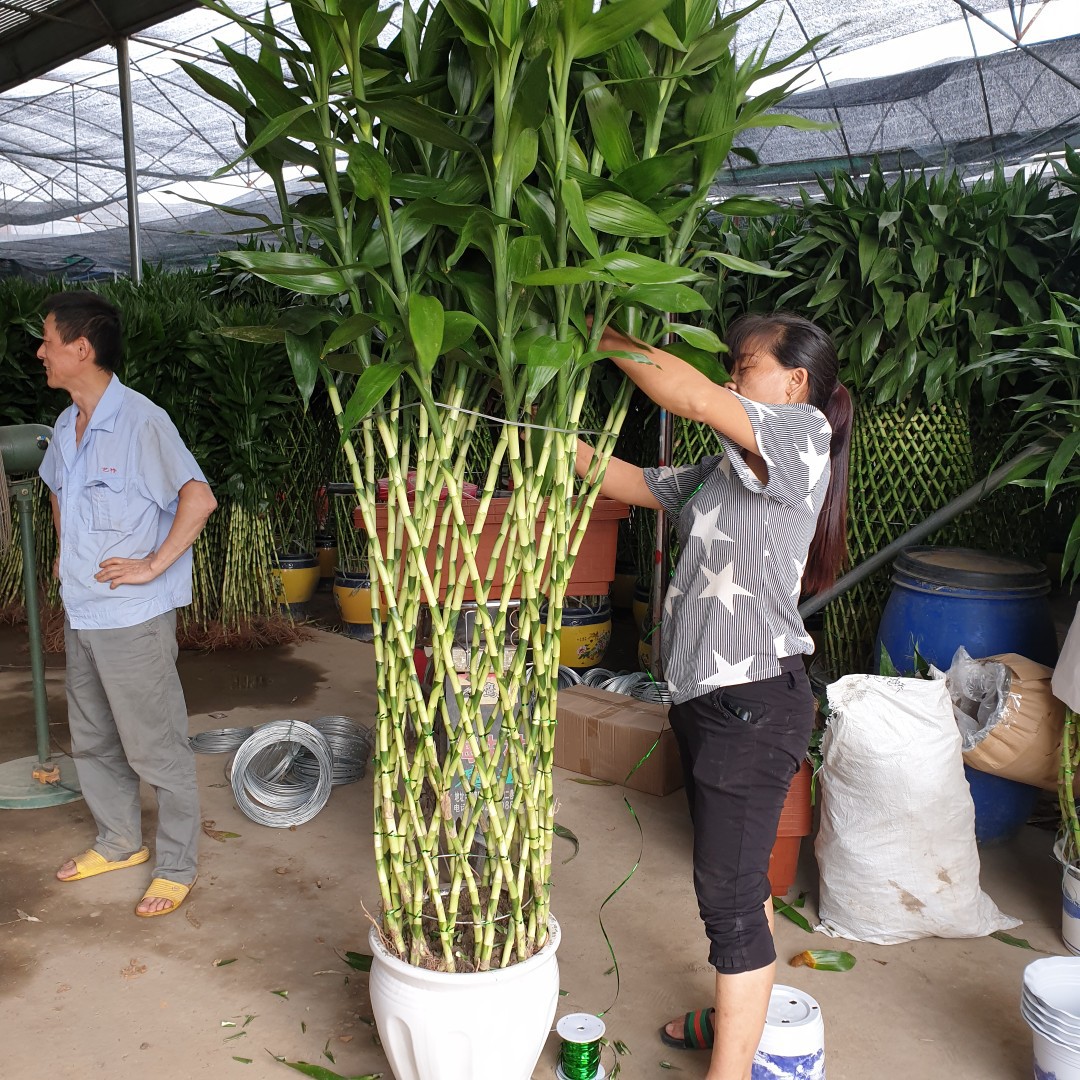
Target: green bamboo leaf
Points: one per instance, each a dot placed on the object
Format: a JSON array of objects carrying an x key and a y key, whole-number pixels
[
  {"x": 1063, "y": 457},
  {"x": 242, "y": 1060},
  {"x": 1019, "y": 943},
  {"x": 614, "y": 22},
  {"x": 358, "y": 961},
  {"x": 637, "y": 269},
  {"x": 659, "y": 28},
  {"x": 545, "y": 358},
  {"x": 888, "y": 219},
  {"x": 420, "y": 121},
  {"x": 747, "y": 206},
  {"x": 351, "y": 330},
  {"x": 216, "y": 88},
  {"x": 703, "y": 361},
  {"x": 410, "y": 230},
  {"x": 609, "y": 124},
  {"x": 824, "y": 960},
  {"x": 1024, "y": 261},
  {"x": 698, "y": 336},
  {"x": 917, "y": 311},
  {"x": 790, "y": 913},
  {"x": 280, "y": 126},
  {"x": 305, "y": 351},
  {"x": 537, "y": 210},
  {"x": 567, "y": 275},
  {"x": 590, "y": 783},
  {"x": 297, "y": 271},
  {"x": 922, "y": 261},
  {"x": 618, "y": 214},
  {"x": 894, "y": 307},
  {"x": 745, "y": 266},
  {"x": 579, "y": 220},
  {"x": 458, "y": 327},
  {"x": 524, "y": 255},
  {"x": 369, "y": 172},
  {"x": 677, "y": 299},
  {"x": 646, "y": 179},
  {"x": 531, "y": 94},
  {"x": 828, "y": 292},
  {"x": 566, "y": 834},
  {"x": 372, "y": 386},
  {"x": 868, "y": 249},
  {"x": 426, "y": 329},
  {"x": 1025, "y": 303},
  {"x": 472, "y": 20},
  {"x": 521, "y": 157},
  {"x": 267, "y": 88},
  {"x": 320, "y": 1072}
]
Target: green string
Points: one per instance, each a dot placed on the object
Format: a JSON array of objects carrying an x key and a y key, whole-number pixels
[{"x": 580, "y": 1061}]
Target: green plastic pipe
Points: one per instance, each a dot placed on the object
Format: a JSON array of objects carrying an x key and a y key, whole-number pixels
[{"x": 24, "y": 499}]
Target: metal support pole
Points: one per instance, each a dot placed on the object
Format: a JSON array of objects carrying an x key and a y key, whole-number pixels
[
  {"x": 934, "y": 522},
  {"x": 131, "y": 171},
  {"x": 24, "y": 499}
]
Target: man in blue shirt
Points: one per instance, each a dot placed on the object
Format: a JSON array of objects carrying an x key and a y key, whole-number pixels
[{"x": 128, "y": 502}]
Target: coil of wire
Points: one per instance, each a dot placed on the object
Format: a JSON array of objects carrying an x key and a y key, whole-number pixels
[
  {"x": 219, "y": 740},
  {"x": 350, "y": 750},
  {"x": 264, "y": 782}
]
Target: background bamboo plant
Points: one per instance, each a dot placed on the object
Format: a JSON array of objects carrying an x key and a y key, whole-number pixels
[{"x": 491, "y": 177}]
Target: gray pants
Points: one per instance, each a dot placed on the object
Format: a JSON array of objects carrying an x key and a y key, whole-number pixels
[{"x": 129, "y": 721}]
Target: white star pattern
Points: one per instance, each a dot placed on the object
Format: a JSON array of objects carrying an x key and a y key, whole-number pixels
[
  {"x": 814, "y": 461},
  {"x": 672, "y": 593},
  {"x": 729, "y": 674},
  {"x": 725, "y": 465},
  {"x": 706, "y": 529},
  {"x": 800, "y": 569},
  {"x": 723, "y": 587},
  {"x": 778, "y": 645}
]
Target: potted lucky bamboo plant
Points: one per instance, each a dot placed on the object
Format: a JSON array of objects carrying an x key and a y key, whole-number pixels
[{"x": 489, "y": 178}]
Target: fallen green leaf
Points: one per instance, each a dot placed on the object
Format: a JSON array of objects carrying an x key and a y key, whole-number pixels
[
  {"x": 303, "y": 1028},
  {"x": 248, "y": 1019},
  {"x": 824, "y": 960},
  {"x": 620, "y": 1047},
  {"x": 668, "y": 1065},
  {"x": 243, "y": 1061},
  {"x": 610, "y": 970},
  {"x": 564, "y": 993},
  {"x": 566, "y": 834},
  {"x": 225, "y": 963},
  {"x": 281, "y": 993},
  {"x": 228, "y": 1023},
  {"x": 359, "y": 961},
  {"x": 320, "y": 1072},
  {"x": 1020, "y": 943},
  {"x": 238, "y": 1035},
  {"x": 789, "y": 912},
  {"x": 326, "y": 1053},
  {"x": 591, "y": 783}
]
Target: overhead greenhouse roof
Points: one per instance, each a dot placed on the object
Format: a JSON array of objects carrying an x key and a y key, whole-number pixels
[{"x": 930, "y": 83}]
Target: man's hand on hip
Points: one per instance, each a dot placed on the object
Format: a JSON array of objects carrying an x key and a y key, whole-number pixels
[{"x": 126, "y": 572}]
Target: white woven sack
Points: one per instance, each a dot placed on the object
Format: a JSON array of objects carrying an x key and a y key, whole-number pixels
[{"x": 896, "y": 847}]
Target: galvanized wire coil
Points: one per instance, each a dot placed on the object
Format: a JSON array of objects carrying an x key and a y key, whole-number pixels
[
  {"x": 350, "y": 750},
  {"x": 568, "y": 677},
  {"x": 263, "y": 782},
  {"x": 597, "y": 676},
  {"x": 219, "y": 740}
]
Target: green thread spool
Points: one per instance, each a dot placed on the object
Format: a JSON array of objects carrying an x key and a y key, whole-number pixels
[{"x": 579, "y": 1058}]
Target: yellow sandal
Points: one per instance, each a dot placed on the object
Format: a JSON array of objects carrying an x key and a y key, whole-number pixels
[
  {"x": 164, "y": 889},
  {"x": 91, "y": 863}
]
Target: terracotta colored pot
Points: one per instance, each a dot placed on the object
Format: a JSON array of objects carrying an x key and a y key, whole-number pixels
[{"x": 796, "y": 821}]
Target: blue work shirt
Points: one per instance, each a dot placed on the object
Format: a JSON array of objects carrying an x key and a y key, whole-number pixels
[{"x": 118, "y": 493}]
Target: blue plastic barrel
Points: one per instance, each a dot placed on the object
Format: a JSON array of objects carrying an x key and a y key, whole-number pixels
[{"x": 943, "y": 598}]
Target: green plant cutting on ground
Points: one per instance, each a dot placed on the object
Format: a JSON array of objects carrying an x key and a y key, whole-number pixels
[{"x": 497, "y": 183}]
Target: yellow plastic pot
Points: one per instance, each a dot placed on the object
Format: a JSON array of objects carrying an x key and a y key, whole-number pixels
[
  {"x": 326, "y": 551},
  {"x": 296, "y": 579},
  {"x": 352, "y": 595},
  {"x": 586, "y": 633}
]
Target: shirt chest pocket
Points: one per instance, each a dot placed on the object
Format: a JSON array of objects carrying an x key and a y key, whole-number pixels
[{"x": 108, "y": 503}]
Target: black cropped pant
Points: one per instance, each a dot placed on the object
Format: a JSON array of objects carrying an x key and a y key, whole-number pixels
[{"x": 740, "y": 747}]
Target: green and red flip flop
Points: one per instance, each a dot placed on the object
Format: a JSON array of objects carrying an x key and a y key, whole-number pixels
[{"x": 697, "y": 1032}]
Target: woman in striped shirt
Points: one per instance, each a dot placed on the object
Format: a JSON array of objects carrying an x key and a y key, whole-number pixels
[{"x": 759, "y": 525}]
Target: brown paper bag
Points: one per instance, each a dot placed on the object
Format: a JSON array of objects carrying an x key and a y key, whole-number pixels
[{"x": 1025, "y": 743}]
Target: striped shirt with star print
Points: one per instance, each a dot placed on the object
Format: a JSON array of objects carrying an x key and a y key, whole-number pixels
[{"x": 731, "y": 610}]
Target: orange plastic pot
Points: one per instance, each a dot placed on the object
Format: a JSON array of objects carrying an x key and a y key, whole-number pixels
[{"x": 796, "y": 821}]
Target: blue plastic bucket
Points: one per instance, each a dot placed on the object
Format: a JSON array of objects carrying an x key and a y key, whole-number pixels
[
  {"x": 943, "y": 598},
  {"x": 792, "y": 1045}
]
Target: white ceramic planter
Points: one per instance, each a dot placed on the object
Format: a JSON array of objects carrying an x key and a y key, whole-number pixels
[{"x": 487, "y": 1025}]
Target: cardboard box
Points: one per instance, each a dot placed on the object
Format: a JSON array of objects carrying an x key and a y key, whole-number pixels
[
  {"x": 1025, "y": 744},
  {"x": 604, "y": 735}
]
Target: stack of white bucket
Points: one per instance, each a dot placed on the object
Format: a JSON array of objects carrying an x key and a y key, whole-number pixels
[
  {"x": 792, "y": 1046},
  {"x": 1050, "y": 1003}
]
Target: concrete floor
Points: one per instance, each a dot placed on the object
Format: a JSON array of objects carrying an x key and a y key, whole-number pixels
[{"x": 89, "y": 990}]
